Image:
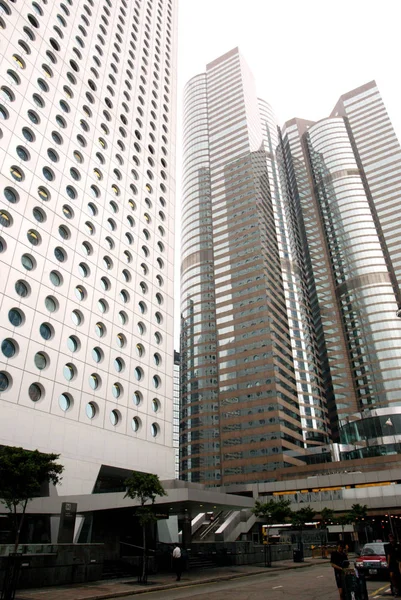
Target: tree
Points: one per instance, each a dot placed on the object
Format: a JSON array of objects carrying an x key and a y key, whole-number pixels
[
  {"x": 144, "y": 487},
  {"x": 271, "y": 512},
  {"x": 22, "y": 473},
  {"x": 357, "y": 514},
  {"x": 326, "y": 517},
  {"x": 301, "y": 517},
  {"x": 344, "y": 520}
]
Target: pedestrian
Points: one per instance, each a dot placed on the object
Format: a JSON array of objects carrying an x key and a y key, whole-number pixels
[
  {"x": 337, "y": 559},
  {"x": 177, "y": 561},
  {"x": 393, "y": 557}
]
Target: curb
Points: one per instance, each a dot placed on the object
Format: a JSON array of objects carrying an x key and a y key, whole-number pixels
[{"x": 170, "y": 586}]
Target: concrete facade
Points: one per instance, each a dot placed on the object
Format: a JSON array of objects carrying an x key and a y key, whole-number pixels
[{"x": 87, "y": 184}]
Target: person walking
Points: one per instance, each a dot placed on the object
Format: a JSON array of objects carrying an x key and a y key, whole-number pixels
[
  {"x": 177, "y": 561},
  {"x": 337, "y": 560},
  {"x": 393, "y": 558}
]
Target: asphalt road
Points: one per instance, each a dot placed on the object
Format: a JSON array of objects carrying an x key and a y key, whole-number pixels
[{"x": 312, "y": 583}]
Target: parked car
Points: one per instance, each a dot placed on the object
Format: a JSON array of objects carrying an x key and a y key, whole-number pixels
[{"x": 372, "y": 560}]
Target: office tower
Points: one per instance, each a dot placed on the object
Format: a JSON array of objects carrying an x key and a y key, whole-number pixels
[
  {"x": 344, "y": 174},
  {"x": 241, "y": 418},
  {"x": 87, "y": 162},
  {"x": 290, "y": 273},
  {"x": 176, "y": 412}
]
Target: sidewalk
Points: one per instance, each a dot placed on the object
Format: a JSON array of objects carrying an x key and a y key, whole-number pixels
[{"x": 100, "y": 590}]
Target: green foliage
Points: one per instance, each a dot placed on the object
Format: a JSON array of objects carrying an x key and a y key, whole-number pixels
[
  {"x": 344, "y": 519},
  {"x": 302, "y": 516},
  {"x": 22, "y": 472},
  {"x": 327, "y": 516},
  {"x": 358, "y": 511},
  {"x": 272, "y": 512},
  {"x": 143, "y": 487}
]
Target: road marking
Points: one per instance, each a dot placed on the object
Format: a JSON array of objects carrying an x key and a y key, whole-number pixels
[
  {"x": 384, "y": 587},
  {"x": 319, "y": 576},
  {"x": 277, "y": 586}
]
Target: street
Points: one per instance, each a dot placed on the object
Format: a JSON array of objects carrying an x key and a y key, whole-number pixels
[{"x": 313, "y": 583}]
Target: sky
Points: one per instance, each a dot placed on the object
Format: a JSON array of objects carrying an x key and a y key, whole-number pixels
[{"x": 304, "y": 55}]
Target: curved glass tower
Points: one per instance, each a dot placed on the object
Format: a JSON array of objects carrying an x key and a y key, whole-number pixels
[{"x": 242, "y": 418}]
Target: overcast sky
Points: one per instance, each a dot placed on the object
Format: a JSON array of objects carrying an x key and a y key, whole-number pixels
[{"x": 304, "y": 54}]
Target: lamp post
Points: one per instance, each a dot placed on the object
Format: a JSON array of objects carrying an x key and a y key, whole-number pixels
[{"x": 268, "y": 557}]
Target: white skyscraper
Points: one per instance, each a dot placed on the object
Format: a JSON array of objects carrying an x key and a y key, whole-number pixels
[{"x": 87, "y": 163}]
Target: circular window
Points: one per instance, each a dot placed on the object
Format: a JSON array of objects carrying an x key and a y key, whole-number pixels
[
  {"x": 69, "y": 371},
  {"x": 73, "y": 343},
  {"x": 43, "y": 193},
  {"x": 138, "y": 373},
  {"x": 100, "y": 329},
  {"x": 116, "y": 390},
  {"x": 77, "y": 317},
  {"x": 141, "y": 328},
  {"x": 56, "y": 278},
  {"x": 35, "y": 392},
  {"x": 11, "y": 195},
  {"x": 48, "y": 174},
  {"x": 108, "y": 263},
  {"x": 91, "y": 410},
  {"x": 115, "y": 417},
  {"x": 3, "y": 245},
  {"x": 119, "y": 365},
  {"x": 156, "y": 381},
  {"x": 28, "y": 262},
  {"x": 9, "y": 348},
  {"x": 41, "y": 360},
  {"x": 136, "y": 424},
  {"x": 80, "y": 292},
  {"x": 94, "y": 381},
  {"x": 97, "y": 354},
  {"x": 39, "y": 214},
  {"x": 5, "y": 381},
  {"x": 60, "y": 254},
  {"x": 105, "y": 283},
  {"x": 22, "y": 288},
  {"x": 71, "y": 192},
  {"x": 46, "y": 331},
  {"x": 83, "y": 269},
  {"x": 65, "y": 402},
  {"x": 154, "y": 429},
  {"x": 64, "y": 232},
  {"x": 5, "y": 218},
  {"x": 68, "y": 212},
  {"x": 158, "y": 317},
  {"x": 121, "y": 340},
  {"x": 87, "y": 248},
  {"x": 155, "y": 405},
  {"x": 17, "y": 173},
  {"x": 137, "y": 398},
  {"x": 124, "y": 296},
  {"x": 52, "y": 154},
  {"x": 157, "y": 359},
  {"x": 140, "y": 350},
  {"x": 3, "y": 112},
  {"x": 33, "y": 237},
  {"x": 123, "y": 317},
  {"x": 102, "y": 305},
  {"x": 51, "y": 304}
]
